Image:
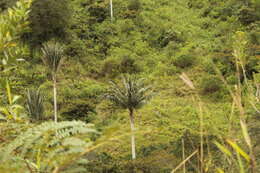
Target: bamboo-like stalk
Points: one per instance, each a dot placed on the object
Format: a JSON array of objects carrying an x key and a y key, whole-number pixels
[
  {"x": 55, "y": 98},
  {"x": 243, "y": 124},
  {"x": 189, "y": 83},
  {"x": 237, "y": 99},
  {"x": 184, "y": 161}
]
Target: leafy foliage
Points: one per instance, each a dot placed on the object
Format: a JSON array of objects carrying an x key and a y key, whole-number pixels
[
  {"x": 48, "y": 20},
  {"x": 35, "y": 106},
  {"x": 13, "y": 24},
  {"x": 46, "y": 146},
  {"x": 155, "y": 40},
  {"x": 12, "y": 110},
  {"x": 132, "y": 95},
  {"x": 53, "y": 55}
]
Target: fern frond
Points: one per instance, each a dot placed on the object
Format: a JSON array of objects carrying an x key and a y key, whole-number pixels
[{"x": 57, "y": 142}]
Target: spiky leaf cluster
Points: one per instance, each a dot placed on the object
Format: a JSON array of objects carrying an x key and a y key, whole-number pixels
[
  {"x": 53, "y": 55},
  {"x": 132, "y": 94},
  {"x": 35, "y": 104}
]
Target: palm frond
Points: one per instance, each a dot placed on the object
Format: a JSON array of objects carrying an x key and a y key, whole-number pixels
[
  {"x": 131, "y": 94},
  {"x": 34, "y": 103},
  {"x": 53, "y": 55}
]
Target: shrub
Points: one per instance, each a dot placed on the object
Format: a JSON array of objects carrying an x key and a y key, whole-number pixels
[
  {"x": 133, "y": 9},
  {"x": 164, "y": 69},
  {"x": 110, "y": 68},
  {"x": 207, "y": 66},
  {"x": 79, "y": 110},
  {"x": 210, "y": 84},
  {"x": 128, "y": 65},
  {"x": 98, "y": 11},
  {"x": 169, "y": 36},
  {"x": 232, "y": 79},
  {"x": 49, "y": 19},
  {"x": 247, "y": 16},
  {"x": 184, "y": 61},
  {"x": 134, "y": 5}
]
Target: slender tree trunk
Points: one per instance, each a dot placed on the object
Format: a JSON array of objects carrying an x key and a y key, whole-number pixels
[
  {"x": 183, "y": 155},
  {"x": 111, "y": 10},
  {"x": 131, "y": 112},
  {"x": 201, "y": 139},
  {"x": 55, "y": 97}
]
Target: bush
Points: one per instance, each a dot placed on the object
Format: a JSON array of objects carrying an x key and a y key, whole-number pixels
[
  {"x": 98, "y": 11},
  {"x": 208, "y": 66},
  {"x": 184, "y": 61},
  {"x": 133, "y": 9},
  {"x": 79, "y": 110},
  {"x": 169, "y": 36},
  {"x": 247, "y": 16},
  {"x": 128, "y": 65},
  {"x": 134, "y": 5},
  {"x": 48, "y": 19},
  {"x": 110, "y": 68},
  {"x": 164, "y": 69},
  {"x": 210, "y": 84},
  {"x": 232, "y": 79}
]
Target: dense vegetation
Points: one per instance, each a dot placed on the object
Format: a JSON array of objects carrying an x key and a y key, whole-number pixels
[{"x": 156, "y": 86}]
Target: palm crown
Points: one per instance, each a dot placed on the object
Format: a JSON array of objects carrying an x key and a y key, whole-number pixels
[
  {"x": 53, "y": 54},
  {"x": 131, "y": 95}
]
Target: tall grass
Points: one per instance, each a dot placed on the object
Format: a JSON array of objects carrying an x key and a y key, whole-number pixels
[{"x": 237, "y": 158}]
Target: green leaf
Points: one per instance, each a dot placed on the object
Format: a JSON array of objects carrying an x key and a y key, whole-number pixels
[
  {"x": 239, "y": 150},
  {"x": 245, "y": 133},
  {"x": 9, "y": 95},
  {"x": 223, "y": 149},
  {"x": 241, "y": 165},
  {"x": 16, "y": 97},
  {"x": 219, "y": 170}
]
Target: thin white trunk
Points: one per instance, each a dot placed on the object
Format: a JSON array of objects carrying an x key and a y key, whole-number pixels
[
  {"x": 201, "y": 140},
  {"x": 55, "y": 98},
  {"x": 132, "y": 134},
  {"x": 111, "y": 10},
  {"x": 183, "y": 155}
]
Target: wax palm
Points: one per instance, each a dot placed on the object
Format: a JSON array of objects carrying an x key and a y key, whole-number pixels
[
  {"x": 132, "y": 95},
  {"x": 53, "y": 55}
]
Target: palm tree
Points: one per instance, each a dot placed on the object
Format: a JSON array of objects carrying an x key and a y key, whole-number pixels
[
  {"x": 53, "y": 55},
  {"x": 111, "y": 10},
  {"x": 132, "y": 95},
  {"x": 35, "y": 104}
]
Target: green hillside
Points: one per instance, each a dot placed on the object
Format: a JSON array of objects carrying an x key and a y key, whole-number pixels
[{"x": 185, "y": 73}]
